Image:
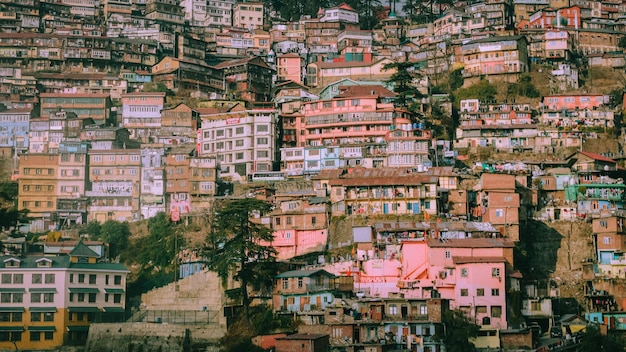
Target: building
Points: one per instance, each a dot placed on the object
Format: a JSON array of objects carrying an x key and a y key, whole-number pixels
[
  {"x": 152, "y": 194},
  {"x": 321, "y": 73},
  {"x": 114, "y": 176},
  {"x": 177, "y": 175},
  {"x": 14, "y": 125},
  {"x": 95, "y": 106},
  {"x": 141, "y": 115},
  {"x": 499, "y": 203},
  {"x": 243, "y": 141},
  {"x": 249, "y": 15},
  {"x": 39, "y": 174},
  {"x": 248, "y": 79},
  {"x": 49, "y": 301},
  {"x": 495, "y": 56},
  {"x": 290, "y": 67}
]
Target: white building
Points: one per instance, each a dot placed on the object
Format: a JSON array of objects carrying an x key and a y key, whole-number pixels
[
  {"x": 151, "y": 196},
  {"x": 242, "y": 141}
]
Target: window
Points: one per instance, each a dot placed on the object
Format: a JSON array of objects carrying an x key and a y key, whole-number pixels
[
  {"x": 117, "y": 298},
  {"x": 18, "y": 297},
  {"x": 261, "y": 141},
  {"x": 92, "y": 279},
  {"x": 496, "y": 311},
  {"x": 289, "y": 220},
  {"x": 285, "y": 283},
  {"x": 35, "y": 316},
  {"x": 495, "y": 272},
  {"x": 81, "y": 278},
  {"x": 6, "y": 278},
  {"x": 35, "y": 335},
  {"x": 262, "y": 128},
  {"x": 35, "y": 297},
  {"x": 480, "y": 292},
  {"x": 48, "y": 316},
  {"x": 92, "y": 297},
  {"x": 424, "y": 311},
  {"x": 495, "y": 292},
  {"x": 48, "y": 335},
  {"x": 262, "y": 154},
  {"x": 239, "y": 130},
  {"x": 239, "y": 156},
  {"x": 464, "y": 272},
  {"x": 300, "y": 282},
  {"x": 17, "y": 316},
  {"x": 464, "y": 292},
  {"x": 49, "y": 278},
  {"x": 481, "y": 309},
  {"x": 313, "y": 221},
  {"x": 606, "y": 240},
  {"x": 18, "y": 278},
  {"x": 447, "y": 254},
  {"x": 393, "y": 309},
  {"x": 48, "y": 297},
  {"x": 277, "y": 221},
  {"x": 71, "y": 278},
  {"x": 117, "y": 280},
  {"x": 499, "y": 213},
  {"x": 239, "y": 143}
]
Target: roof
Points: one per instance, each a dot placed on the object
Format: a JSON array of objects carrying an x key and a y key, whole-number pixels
[
  {"x": 75, "y": 95},
  {"x": 323, "y": 64},
  {"x": 328, "y": 174},
  {"x": 364, "y": 90},
  {"x": 382, "y": 176},
  {"x": 469, "y": 243},
  {"x": 236, "y": 62},
  {"x": 303, "y": 273},
  {"x": 477, "y": 260},
  {"x": 81, "y": 250},
  {"x": 496, "y": 39},
  {"x": 598, "y": 157},
  {"x": 303, "y": 337}
]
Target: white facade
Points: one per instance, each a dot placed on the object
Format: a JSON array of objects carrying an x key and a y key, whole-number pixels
[
  {"x": 243, "y": 142},
  {"x": 220, "y": 13}
]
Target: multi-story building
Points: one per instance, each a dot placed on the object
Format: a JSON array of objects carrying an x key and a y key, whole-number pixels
[
  {"x": 248, "y": 79},
  {"x": 575, "y": 101},
  {"x": 49, "y": 301},
  {"x": 360, "y": 114},
  {"x": 549, "y": 17},
  {"x": 290, "y": 67},
  {"x": 95, "y": 106},
  {"x": 243, "y": 141},
  {"x": 167, "y": 12},
  {"x": 37, "y": 189},
  {"x": 71, "y": 202},
  {"x": 610, "y": 240},
  {"x": 151, "y": 196},
  {"x": 177, "y": 175},
  {"x": 178, "y": 125},
  {"x": 14, "y": 127},
  {"x": 219, "y": 13},
  {"x": 141, "y": 115},
  {"x": 114, "y": 177},
  {"x": 202, "y": 181},
  {"x": 495, "y": 56},
  {"x": 249, "y": 15},
  {"x": 384, "y": 191},
  {"x": 321, "y": 73},
  {"x": 499, "y": 204},
  {"x": 178, "y": 74}
]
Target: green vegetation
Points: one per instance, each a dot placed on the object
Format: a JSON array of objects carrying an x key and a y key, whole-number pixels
[
  {"x": 160, "y": 246},
  {"x": 593, "y": 340},
  {"x": 459, "y": 330},
  {"x": 10, "y": 217},
  {"x": 234, "y": 246},
  {"x": 482, "y": 91},
  {"x": 403, "y": 81},
  {"x": 524, "y": 88},
  {"x": 116, "y": 234}
]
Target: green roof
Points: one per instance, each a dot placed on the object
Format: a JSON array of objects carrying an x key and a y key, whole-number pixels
[
  {"x": 11, "y": 328},
  {"x": 81, "y": 250},
  {"x": 84, "y": 309},
  {"x": 84, "y": 290},
  {"x": 114, "y": 309},
  {"x": 99, "y": 266},
  {"x": 114, "y": 290},
  {"x": 42, "y": 328},
  {"x": 11, "y": 309},
  {"x": 43, "y": 290},
  {"x": 12, "y": 289},
  {"x": 303, "y": 273},
  {"x": 78, "y": 328},
  {"x": 42, "y": 309},
  {"x": 30, "y": 261}
]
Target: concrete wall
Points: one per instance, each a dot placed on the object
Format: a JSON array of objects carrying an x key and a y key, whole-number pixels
[{"x": 148, "y": 337}]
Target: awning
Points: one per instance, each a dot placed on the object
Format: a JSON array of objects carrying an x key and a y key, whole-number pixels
[
  {"x": 42, "y": 328},
  {"x": 11, "y": 289},
  {"x": 84, "y": 309},
  {"x": 114, "y": 290},
  {"x": 77, "y": 328},
  {"x": 114, "y": 309},
  {"x": 11, "y": 328},
  {"x": 43, "y": 290},
  {"x": 42, "y": 309},
  {"x": 84, "y": 290},
  {"x": 11, "y": 309}
]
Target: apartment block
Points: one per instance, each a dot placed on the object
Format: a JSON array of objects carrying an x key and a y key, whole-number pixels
[
  {"x": 37, "y": 188},
  {"x": 141, "y": 115}
]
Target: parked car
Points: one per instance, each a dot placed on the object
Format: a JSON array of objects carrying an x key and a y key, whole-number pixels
[{"x": 556, "y": 331}]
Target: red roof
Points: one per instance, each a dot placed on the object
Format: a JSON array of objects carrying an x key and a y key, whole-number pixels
[
  {"x": 598, "y": 157},
  {"x": 365, "y": 90}
]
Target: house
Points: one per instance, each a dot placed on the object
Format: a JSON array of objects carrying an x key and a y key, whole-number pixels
[
  {"x": 179, "y": 125},
  {"x": 85, "y": 105},
  {"x": 306, "y": 290},
  {"x": 500, "y": 55},
  {"x": 608, "y": 229},
  {"x": 304, "y": 342},
  {"x": 49, "y": 301},
  {"x": 177, "y": 177},
  {"x": 300, "y": 225},
  {"x": 499, "y": 203},
  {"x": 114, "y": 191},
  {"x": 37, "y": 193},
  {"x": 141, "y": 114},
  {"x": 290, "y": 67},
  {"x": 249, "y": 15},
  {"x": 249, "y": 78},
  {"x": 587, "y": 162},
  {"x": 384, "y": 191},
  {"x": 151, "y": 195},
  {"x": 179, "y": 74},
  {"x": 321, "y": 73},
  {"x": 575, "y": 101}
]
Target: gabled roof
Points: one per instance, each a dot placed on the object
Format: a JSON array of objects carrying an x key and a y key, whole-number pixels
[
  {"x": 598, "y": 157},
  {"x": 81, "y": 250},
  {"x": 304, "y": 273},
  {"x": 364, "y": 90}
]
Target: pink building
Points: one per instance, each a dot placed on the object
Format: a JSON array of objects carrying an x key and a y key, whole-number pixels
[
  {"x": 574, "y": 101},
  {"x": 470, "y": 272},
  {"x": 359, "y": 114},
  {"x": 290, "y": 68},
  {"x": 568, "y": 17}
]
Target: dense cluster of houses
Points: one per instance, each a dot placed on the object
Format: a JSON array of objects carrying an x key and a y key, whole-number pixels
[{"x": 119, "y": 110}]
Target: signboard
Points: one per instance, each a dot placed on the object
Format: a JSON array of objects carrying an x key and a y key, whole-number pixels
[{"x": 175, "y": 216}]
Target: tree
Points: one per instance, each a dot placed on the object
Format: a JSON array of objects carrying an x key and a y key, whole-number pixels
[
  {"x": 10, "y": 217},
  {"x": 593, "y": 340},
  {"x": 404, "y": 82},
  {"x": 458, "y": 332},
  {"x": 92, "y": 228},
  {"x": 116, "y": 234},
  {"x": 159, "y": 247},
  {"x": 234, "y": 246},
  {"x": 524, "y": 87},
  {"x": 482, "y": 90}
]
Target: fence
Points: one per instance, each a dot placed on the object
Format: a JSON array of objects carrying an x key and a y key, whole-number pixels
[{"x": 176, "y": 316}]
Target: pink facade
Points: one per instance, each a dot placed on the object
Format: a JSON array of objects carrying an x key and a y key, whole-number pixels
[
  {"x": 568, "y": 17},
  {"x": 357, "y": 114},
  {"x": 289, "y": 67},
  {"x": 574, "y": 101},
  {"x": 291, "y": 243}
]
